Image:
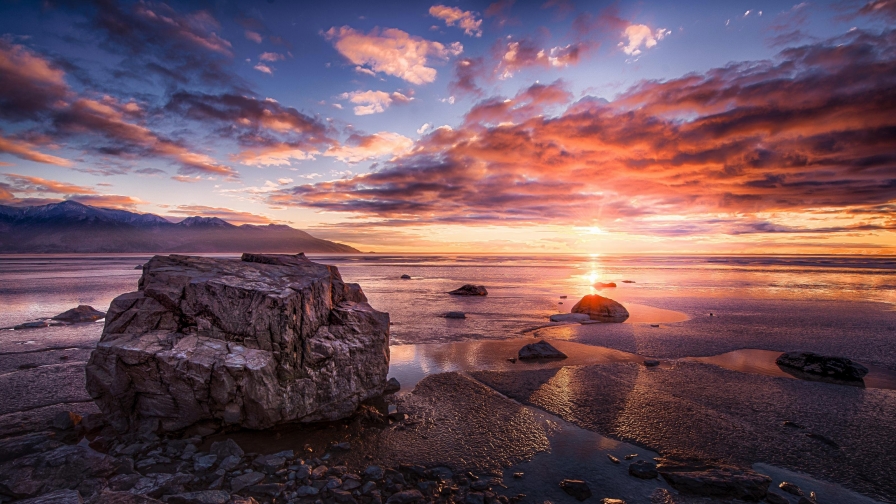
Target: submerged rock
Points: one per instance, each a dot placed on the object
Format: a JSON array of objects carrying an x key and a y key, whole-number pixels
[
  {"x": 643, "y": 469},
  {"x": 37, "y": 324},
  {"x": 83, "y": 313},
  {"x": 456, "y": 315},
  {"x": 578, "y": 489},
  {"x": 540, "y": 350},
  {"x": 720, "y": 481},
  {"x": 601, "y": 308},
  {"x": 255, "y": 342},
  {"x": 470, "y": 290},
  {"x": 838, "y": 368}
]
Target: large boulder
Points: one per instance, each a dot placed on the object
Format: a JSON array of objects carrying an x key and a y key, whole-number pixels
[
  {"x": 470, "y": 290},
  {"x": 256, "y": 342},
  {"x": 601, "y": 308},
  {"x": 824, "y": 366}
]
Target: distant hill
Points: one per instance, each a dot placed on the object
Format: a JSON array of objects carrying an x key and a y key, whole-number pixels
[{"x": 71, "y": 227}]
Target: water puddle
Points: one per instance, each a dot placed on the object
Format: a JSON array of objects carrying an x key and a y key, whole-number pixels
[
  {"x": 411, "y": 363},
  {"x": 750, "y": 360}
]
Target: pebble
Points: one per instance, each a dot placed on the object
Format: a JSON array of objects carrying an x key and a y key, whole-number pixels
[
  {"x": 631, "y": 456},
  {"x": 517, "y": 475},
  {"x": 643, "y": 469},
  {"x": 613, "y": 459}
]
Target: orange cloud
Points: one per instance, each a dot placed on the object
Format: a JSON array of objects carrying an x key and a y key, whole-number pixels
[
  {"x": 374, "y": 102},
  {"x": 810, "y": 132},
  {"x": 26, "y": 150},
  {"x": 392, "y": 51},
  {"x": 465, "y": 20}
]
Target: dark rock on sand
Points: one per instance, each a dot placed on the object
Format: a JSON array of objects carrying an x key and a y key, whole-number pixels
[
  {"x": 470, "y": 290},
  {"x": 540, "y": 350},
  {"x": 83, "y": 313},
  {"x": 651, "y": 362},
  {"x": 65, "y": 467},
  {"x": 576, "y": 488},
  {"x": 256, "y": 342},
  {"x": 720, "y": 481},
  {"x": 456, "y": 315},
  {"x": 405, "y": 277},
  {"x": 601, "y": 308},
  {"x": 392, "y": 386},
  {"x": 643, "y": 469},
  {"x": 812, "y": 364},
  {"x": 37, "y": 324}
]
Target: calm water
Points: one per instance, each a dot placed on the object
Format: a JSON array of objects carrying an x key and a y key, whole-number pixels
[{"x": 523, "y": 290}]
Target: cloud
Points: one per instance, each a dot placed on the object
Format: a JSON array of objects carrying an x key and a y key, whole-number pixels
[
  {"x": 36, "y": 185},
  {"x": 30, "y": 85},
  {"x": 253, "y": 36},
  {"x": 807, "y": 134},
  {"x": 374, "y": 102},
  {"x": 261, "y": 67},
  {"x": 364, "y": 147},
  {"x": 519, "y": 54},
  {"x": 424, "y": 128},
  {"x": 880, "y": 8},
  {"x": 271, "y": 56},
  {"x": 392, "y": 51},
  {"x": 466, "y": 72},
  {"x": 465, "y": 20},
  {"x": 638, "y": 36},
  {"x": 232, "y": 216},
  {"x": 26, "y": 150}
]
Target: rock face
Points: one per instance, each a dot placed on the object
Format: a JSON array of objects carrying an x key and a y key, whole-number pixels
[
  {"x": 601, "y": 308},
  {"x": 838, "y": 368},
  {"x": 540, "y": 350},
  {"x": 470, "y": 290},
  {"x": 720, "y": 481},
  {"x": 83, "y": 313},
  {"x": 255, "y": 342}
]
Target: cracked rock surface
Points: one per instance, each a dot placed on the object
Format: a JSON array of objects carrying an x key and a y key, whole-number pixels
[{"x": 255, "y": 342}]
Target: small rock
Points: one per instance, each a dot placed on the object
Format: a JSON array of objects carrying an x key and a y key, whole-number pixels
[
  {"x": 66, "y": 420},
  {"x": 517, "y": 475},
  {"x": 204, "y": 462},
  {"x": 83, "y": 313},
  {"x": 392, "y": 386},
  {"x": 343, "y": 446},
  {"x": 456, "y": 315},
  {"x": 319, "y": 472},
  {"x": 643, "y": 469},
  {"x": 605, "y": 285},
  {"x": 540, "y": 350},
  {"x": 306, "y": 490},
  {"x": 721, "y": 481},
  {"x": 229, "y": 463},
  {"x": 405, "y": 497},
  {"x": 303, "y": 471},
  {"x": 405, "y": 277},
  {"x": 654, "y": 325},
  {"x": 269, "y": 463},
  {"x": 607, "y": 500},
  {"x": 266, "y": 489},
  {"x": 343, "y": 496},
  {"x": 333, "y": 482},
  {"x": 613, "y": 459},
  {"x": 469, "y": 290},
  {"x": 475, "y": 498},
  {"x": 350, "y": 484},
  {"x": 809, "y": 364},
  {"x": 630, "y": 456},
  {"x": 480, "y": 485},
  {"x": 651, "y": 362},
  {"x": 368, "y": 487},
  {"x": 563, "y": 297},
  {"x": 576, "y": 488},
  {"x": 791, "y": 488},
  {"x": 374, "y": 473},
  {"x": 245, "y": 480},
  {"x": 601, "y": 309},
  {"x": 37, "y": 324},
  {"x": 793, "y": 425},
  {"x": 226, "y": 448},
  {"x": 512, "y": 360}
]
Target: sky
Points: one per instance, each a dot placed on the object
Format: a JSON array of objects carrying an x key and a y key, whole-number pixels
[{"x": 549, "y": 126}]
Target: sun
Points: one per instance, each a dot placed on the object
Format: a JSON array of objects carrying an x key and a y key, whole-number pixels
[{"x": 595, "y": 230}]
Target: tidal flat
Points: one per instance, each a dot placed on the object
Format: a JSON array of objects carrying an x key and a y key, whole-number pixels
[{"x": 713, "y": 324}]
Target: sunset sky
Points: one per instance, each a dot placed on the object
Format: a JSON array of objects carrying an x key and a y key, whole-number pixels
[{"x": 527, "y": 127}]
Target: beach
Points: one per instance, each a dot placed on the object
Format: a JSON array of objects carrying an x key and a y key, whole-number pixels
[{"x": 715, "y": 324}]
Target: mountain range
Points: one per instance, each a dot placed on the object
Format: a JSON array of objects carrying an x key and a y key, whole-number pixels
[{"x": 72, "y": 227}]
